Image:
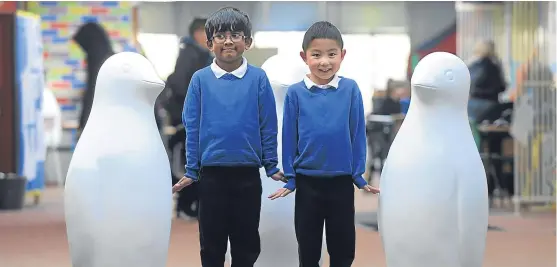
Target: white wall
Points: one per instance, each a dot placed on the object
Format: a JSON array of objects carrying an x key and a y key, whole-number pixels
[{"x": 350, "y": 17}]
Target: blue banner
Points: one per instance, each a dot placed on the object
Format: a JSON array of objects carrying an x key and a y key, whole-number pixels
[{"x": 29, "y": 72}]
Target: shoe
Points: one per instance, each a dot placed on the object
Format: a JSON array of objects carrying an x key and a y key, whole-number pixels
[{"x": 183, "y": 216}]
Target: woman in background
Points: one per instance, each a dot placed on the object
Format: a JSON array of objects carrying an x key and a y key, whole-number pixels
[
  {"x": 95, "y": 43},
  {"x": 486, "y": 80},
  {"x": 486, "y": 83}
]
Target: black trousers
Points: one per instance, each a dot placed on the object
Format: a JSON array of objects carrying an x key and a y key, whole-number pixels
[
  {"x": 330, "y": 202},
  {"x": 229, "y": 208}
]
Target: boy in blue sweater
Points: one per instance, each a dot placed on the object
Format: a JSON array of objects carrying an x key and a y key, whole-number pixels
[
  {"x": 231, "y": 131},
  {"x": 324, "y": 150}
]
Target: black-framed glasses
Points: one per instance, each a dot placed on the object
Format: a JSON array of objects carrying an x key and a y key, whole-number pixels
[{"x": 234, "y": 37}]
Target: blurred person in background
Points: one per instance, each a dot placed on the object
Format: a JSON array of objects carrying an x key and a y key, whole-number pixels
[
  {"x": 94, "y": 41},
  {"x": 193, "y": 55},
  {"x": 537, "y": 69},
  {"x": 486, "y": 80},
  {"x": 389, "y": 103},
  {"x": 379, "y": 133},
  {"x": 403, "y": 95},
  {"x": 535, "y": 78}
]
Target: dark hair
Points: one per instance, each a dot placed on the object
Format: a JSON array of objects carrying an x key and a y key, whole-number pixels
[
  {"x": 390, "y": 87},
  {"x": 228, "y": 19},
  {"x": 322, "y": 30},
  {"x": 197, "y": 24}
]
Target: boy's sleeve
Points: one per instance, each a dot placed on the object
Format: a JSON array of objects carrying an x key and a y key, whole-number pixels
[
  {"x": 289, "y": 139},
  {"x": 358, "y": 136},
  {"x": 268, "y": 126},
  {"x": 190, "y": 119}
]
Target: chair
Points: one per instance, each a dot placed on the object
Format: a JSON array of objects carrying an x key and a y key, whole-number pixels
[
  {"x": 380, "y": 134},
  {"x": 52, "y": 115}
]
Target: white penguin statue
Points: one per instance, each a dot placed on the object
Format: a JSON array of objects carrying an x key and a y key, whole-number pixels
[
  {"x": 433, "y": 206},
  {"x": 118, "y": 193},
  {"x": 279, "y": 246}
]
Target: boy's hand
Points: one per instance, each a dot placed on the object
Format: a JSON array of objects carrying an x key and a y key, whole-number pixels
[
  {"x": 279, "y": 176},
  {"x": 371, "y": 189},
  {"x": 280, "y": 193},
  {"x": 185, "y": 181}
]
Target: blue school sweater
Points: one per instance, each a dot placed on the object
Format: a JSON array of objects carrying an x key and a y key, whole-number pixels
[
  {"x": 323, "y": 132},
  {"x": 230, "y": 121}
]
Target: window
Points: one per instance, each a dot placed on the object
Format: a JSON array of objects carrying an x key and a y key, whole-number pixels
[
  {"x": 161, "y": 50},
  {"x": 370, "y": 59}
]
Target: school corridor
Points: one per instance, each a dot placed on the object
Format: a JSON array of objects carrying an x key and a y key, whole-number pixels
[{"x": 36, "y": 236}]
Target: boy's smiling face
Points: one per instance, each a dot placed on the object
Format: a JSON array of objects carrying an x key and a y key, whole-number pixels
[
  {"x": 228, "y": 46},
  {"x": 323, "y": 57}
]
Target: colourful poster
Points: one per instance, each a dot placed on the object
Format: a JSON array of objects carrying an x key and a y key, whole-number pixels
[
  {"x": 64, "y": 60},
  {"x": 30, "y": 84}
]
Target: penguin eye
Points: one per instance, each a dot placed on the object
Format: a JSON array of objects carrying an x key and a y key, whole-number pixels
[
  {"x": 126, "y": 68},
  {"x": 449, "y": 74}
]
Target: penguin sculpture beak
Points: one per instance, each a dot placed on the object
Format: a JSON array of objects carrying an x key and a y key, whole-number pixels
[
  {"x": 422, "y": 78},
  {"x": 154, "y": 89},
  {"x": 426, "y": 86},
  {"x": 154, "y": 83}
]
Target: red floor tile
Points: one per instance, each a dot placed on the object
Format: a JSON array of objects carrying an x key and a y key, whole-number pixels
[{"x": 36, "y": 237}]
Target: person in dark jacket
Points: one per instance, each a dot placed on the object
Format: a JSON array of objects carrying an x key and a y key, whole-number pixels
[
  {"x": 486, "y": 81},
  {"x": 94, "y": 41},
  {"x": 388, "y": 104},
  {"x": 193, "y": 55}
]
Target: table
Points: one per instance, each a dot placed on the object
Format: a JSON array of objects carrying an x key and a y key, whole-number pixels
[
  {"x": 382, "y": 139},
  {"x": 491, "y": 128},
  {"x": 490, "y": 132}
]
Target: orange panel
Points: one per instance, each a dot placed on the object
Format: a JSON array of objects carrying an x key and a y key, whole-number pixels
[{"x": 8, "y": 7}]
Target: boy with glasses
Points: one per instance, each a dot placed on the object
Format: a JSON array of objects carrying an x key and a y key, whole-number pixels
[{"x": 231, "y": 131}]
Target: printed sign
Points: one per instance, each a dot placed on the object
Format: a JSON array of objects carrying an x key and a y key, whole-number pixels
[{"x": 30, "y": 85}]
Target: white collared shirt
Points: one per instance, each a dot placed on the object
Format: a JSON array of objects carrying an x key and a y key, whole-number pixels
[
  {"x": 239, "y": 72},
  {"x": 333, "y": 84}
]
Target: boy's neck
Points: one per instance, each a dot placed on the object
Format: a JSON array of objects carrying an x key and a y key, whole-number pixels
[
  {"x": 320, "y": 81},
  {"x": 230, "y": 66}
]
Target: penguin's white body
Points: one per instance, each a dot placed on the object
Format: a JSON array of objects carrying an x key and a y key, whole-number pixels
[
  {"x": 433, "y": 206},
  {"x": 118, "y": 192},
  {"x": 279, "y": 246}
]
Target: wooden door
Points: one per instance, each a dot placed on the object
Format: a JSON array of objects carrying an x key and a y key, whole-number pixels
[{"x": 7, "y": 95}]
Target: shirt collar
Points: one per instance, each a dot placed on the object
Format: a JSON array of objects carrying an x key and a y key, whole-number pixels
[
  {"x": 239, "y": 72},
  {"x": 333, "y": 84}
]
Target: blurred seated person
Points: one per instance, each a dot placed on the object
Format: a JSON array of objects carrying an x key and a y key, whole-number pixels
[
  {"x": 486, "y": 80},
  {"x": 486, "y": 83},
  {"x": 402, "y": 93},
  {"x": 379, "y": 134},
  {"x": 387, "y": 103}
]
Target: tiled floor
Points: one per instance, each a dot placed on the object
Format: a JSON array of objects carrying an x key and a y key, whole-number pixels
[{"x": 35, "y": 237}]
